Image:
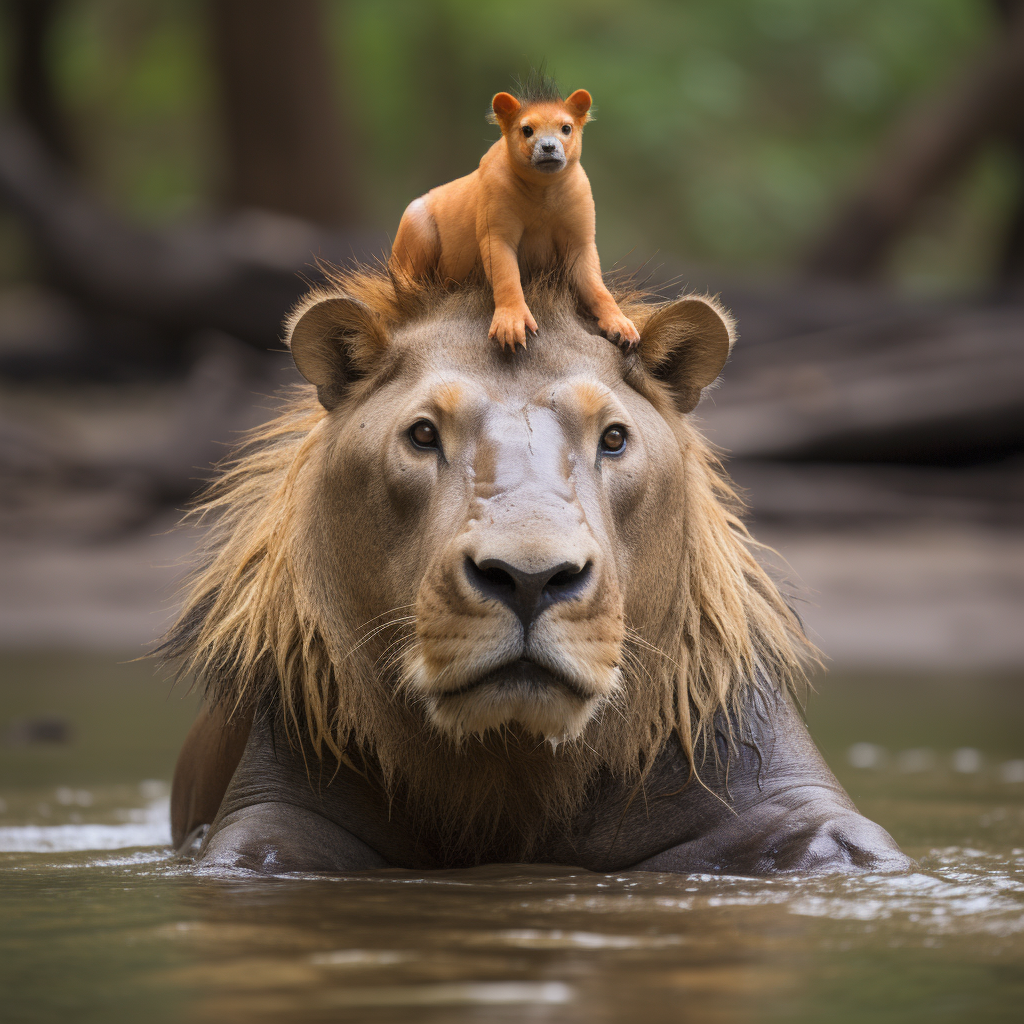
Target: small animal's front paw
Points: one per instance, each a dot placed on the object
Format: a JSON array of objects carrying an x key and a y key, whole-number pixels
[
  {"x": 620, "y": 329},
  {"x": 509, "y": 326}
]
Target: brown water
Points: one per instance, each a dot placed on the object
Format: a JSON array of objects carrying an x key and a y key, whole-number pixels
[{"x": 98, "y": 924}]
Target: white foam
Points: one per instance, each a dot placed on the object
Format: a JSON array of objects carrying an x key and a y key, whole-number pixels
[
  {"x": 455, "y": 994},
  {"x": 151, "y": 827}
]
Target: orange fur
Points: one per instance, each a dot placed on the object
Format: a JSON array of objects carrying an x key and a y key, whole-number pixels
[
  {"x": 522, "y": 206},
  {"x": 592, "y": 398}
]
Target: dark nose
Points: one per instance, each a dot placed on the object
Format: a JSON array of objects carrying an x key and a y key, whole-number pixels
[
  {"x": 547, "y": 147},
  {"x": 528, "y": 593}
]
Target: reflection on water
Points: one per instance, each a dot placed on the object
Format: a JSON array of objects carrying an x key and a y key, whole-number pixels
[
  {"x": 100, "y": 924},
  {"x": 132, "y": 930},
  {"x": 110, "y": 825}
]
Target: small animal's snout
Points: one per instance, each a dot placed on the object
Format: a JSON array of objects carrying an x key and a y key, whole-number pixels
[
  {"x": 528, "y": 593},
  {"x": 548, "y": 154}
]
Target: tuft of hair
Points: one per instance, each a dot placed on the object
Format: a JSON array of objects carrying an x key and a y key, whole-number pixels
[
  {"x": 537, "y": 87},
  {"x": 261, "y": 637}
]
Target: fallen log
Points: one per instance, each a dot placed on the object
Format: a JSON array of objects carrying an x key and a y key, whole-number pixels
[
  {"x": 238, "y": 274},
  {"x": 943, "y": 385},
  {"x": 835, "y": 495}
]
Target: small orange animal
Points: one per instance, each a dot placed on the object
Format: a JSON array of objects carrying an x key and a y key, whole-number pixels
[{"x": 529, "y": 203}]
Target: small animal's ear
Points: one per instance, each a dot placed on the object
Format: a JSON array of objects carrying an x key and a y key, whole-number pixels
[
  {"x": 685, "y": 345},
  {"x": 334, "y": 341},
  {"x": 505, "y": 107},
  {"x": 578, "y": 104}
]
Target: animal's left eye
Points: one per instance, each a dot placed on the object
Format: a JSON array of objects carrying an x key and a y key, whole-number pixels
[
  {"x": 424, "y": 434},
  {"x": 566, "y": 129},
  {"x": 613, "y": 440},
  {"x": 527, "y": 130}
]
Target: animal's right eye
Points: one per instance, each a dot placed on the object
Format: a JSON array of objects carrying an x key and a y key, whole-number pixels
[
  {"x": 613, "y": 440},
  {"x": 527, "y": 130},
  {"x": 423, "y": 434}
]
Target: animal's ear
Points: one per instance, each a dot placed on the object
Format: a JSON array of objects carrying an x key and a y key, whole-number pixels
[
  {"x": 334, "y": 342},
  {"x": 685, "y": 345},
  {"x": 578, "y": 104},
  {"x": 505, "y": 107}
]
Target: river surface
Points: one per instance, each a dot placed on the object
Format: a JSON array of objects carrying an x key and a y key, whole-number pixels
[{"x": 99, "y": 923}]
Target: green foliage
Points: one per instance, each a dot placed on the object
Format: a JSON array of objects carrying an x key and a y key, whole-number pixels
[
  {"x": 137, "y": 80},
  {"x": 726, "y": 132}
]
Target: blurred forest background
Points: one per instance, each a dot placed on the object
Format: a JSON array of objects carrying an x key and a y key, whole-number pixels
[
  {"x": 727, "y": 132},
  {"x": 849, "y": 175}
]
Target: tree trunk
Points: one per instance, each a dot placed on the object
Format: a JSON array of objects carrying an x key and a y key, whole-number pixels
[
  {"x": 285, "y": 139},
  {"x": 32, "y": 93},
  {"x": 1010, "y": 273}
]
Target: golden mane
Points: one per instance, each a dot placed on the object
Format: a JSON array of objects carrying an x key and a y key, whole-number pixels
[{"x": 255, "y": 633}]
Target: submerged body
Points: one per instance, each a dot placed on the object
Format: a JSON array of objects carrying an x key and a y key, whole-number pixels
[
  {"x": 487, "y": 612},
  {"x": 770, "y": 804}
]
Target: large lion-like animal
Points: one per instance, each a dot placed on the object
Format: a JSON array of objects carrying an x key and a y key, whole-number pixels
[{"x": 460, "y": 606}]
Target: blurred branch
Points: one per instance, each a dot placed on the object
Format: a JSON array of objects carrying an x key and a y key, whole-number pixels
[
  {"x": 238, "y": 275},
  {"x": 926, "y": 149},
  {"x": 282, "y": 122}
]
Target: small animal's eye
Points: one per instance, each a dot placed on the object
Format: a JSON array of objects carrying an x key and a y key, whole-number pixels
[
  {"x": 527, "y": 130},
  {"x": 613, "y": 440},
  {"x": 566, "y": 129},
  {"x": 423, "y": 434}
]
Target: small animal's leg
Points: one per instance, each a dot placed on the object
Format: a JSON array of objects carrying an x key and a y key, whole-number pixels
[
  {"x": 509, "y": 325},
  {"x": 417, "y": 247},
  {"x": 208, "y": 759},
  {"x": 610, "y": 319},
  {"x": 512, "y": 317}
]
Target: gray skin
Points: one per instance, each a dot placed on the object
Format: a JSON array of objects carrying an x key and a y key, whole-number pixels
[
  {"x": 548, "y": 154},
  {"x": 518, "y": 465},
  {"x": 766, "y": 805}
]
